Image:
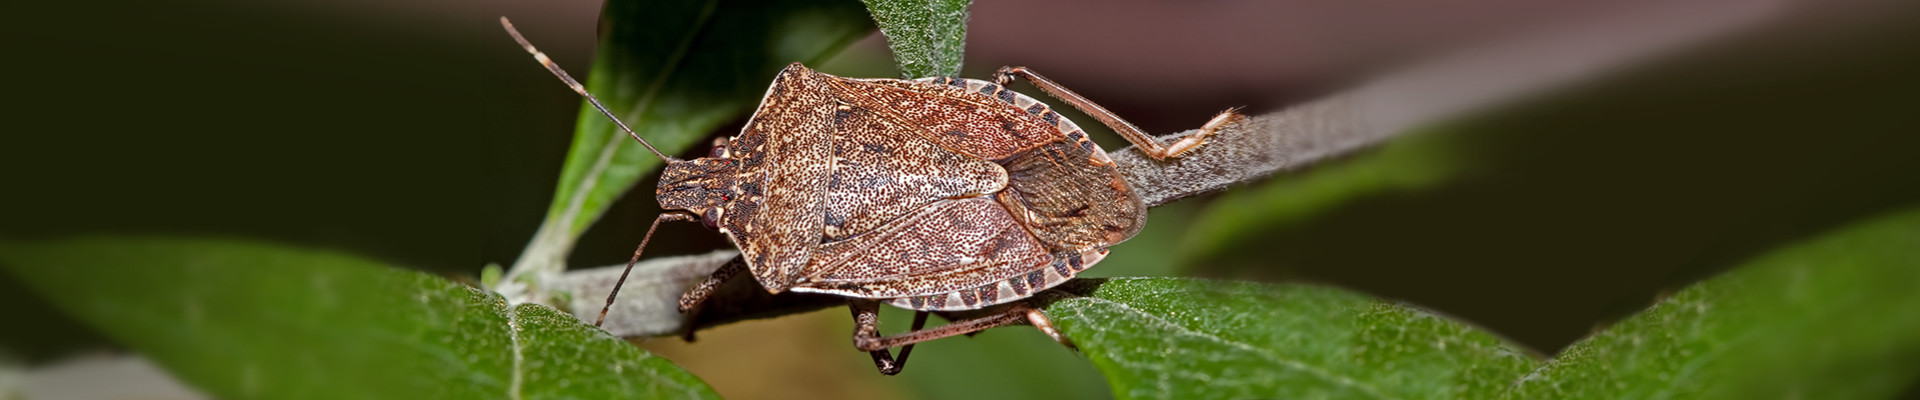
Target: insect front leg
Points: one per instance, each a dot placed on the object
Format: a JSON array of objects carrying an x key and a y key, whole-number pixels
[
  {"x": 691, "y": 300},
  {"x": 866, "y": 331},
  {"x": 1133, "y": 134},
  {"x": 699, "y": 293}
]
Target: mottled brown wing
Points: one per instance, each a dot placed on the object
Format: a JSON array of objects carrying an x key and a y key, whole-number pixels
[
  {"x": 884, "y": 170},
  {"x": 785, "y": 154},
  {"x": 1069, "y": 203},
  {"x": 1061, "y": 185},
  {"x": 947, "y": 246}
]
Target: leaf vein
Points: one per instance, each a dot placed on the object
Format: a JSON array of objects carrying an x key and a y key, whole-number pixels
[{"x": 513, "y": 337}]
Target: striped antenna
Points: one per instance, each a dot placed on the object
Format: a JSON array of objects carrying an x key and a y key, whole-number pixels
[{"x": 577, "y": 88}]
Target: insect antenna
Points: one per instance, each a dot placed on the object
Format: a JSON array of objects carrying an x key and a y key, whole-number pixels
[{"x": 577, "y": 88}]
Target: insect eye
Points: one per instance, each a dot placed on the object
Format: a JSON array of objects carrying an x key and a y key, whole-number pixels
[
  {"x": 711, "y": 219},
  {"x": 718, "y": 152}
]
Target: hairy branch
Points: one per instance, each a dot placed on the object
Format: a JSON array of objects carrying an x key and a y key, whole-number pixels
[{"x": 1255, "y": 148}]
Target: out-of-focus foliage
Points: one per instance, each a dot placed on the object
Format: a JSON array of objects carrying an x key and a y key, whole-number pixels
[
  {"x": 1831, "y": 318},
  {"x": 242, "y": 319}
]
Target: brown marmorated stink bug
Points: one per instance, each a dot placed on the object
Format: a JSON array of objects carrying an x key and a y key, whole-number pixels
[{"x": 934, "y": 195}]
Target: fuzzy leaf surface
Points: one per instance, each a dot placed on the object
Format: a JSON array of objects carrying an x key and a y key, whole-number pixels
[
  {"x": 245, "y": 319},
  {"x": 928, "y": 37},
  {"x": 1187, "y": 338}
]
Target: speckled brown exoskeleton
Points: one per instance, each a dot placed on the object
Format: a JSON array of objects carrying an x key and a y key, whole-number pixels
[{"x": 934, "y": 194}]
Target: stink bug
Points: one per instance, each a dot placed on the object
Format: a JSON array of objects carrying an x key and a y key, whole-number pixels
[{"x": 935, "y": 195}]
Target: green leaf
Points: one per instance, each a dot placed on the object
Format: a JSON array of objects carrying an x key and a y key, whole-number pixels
[
  {"x": 1831, "y": 318},
  {"x": 241, "y": 319},
  {"x": 674, "y": 71},
  {"x": 1185, "y": 338},
  {"x": 928, "y": 37},
  {"x": 1834, "y": 318}
]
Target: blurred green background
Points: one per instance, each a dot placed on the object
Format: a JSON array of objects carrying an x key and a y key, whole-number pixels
[{"x": 417, "y": 133}]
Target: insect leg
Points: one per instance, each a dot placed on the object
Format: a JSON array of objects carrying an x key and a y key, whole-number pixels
[
  {"x": 1147, "y": 144},
  {"x": 919, "y": 321},
  {"x": 700, "y": 292},
  {"x": 1045, "y": 325},
  {"x": 691, "y": 300},
  {"x": 866, "y": 328},
  {"x": 1012, "y": 315},
  {"x": 1228, "y": 117},
  {"x": 636, "y": 258}
]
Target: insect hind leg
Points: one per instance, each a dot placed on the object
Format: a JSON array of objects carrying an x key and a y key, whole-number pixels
[
  {"x": 1014, "y": 314},
  {"x": 1140, "y": 139}
]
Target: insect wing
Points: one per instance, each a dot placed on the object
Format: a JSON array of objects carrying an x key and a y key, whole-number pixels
[{"x": 948, "y": 246}]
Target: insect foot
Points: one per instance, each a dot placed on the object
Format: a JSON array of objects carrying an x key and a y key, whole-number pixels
[
  {"x": 1040, "y": 321},
  {"x": 1180, "y": 147}
]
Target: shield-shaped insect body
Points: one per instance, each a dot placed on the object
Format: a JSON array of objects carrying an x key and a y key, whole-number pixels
[{"x": 935, "y": 194}]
